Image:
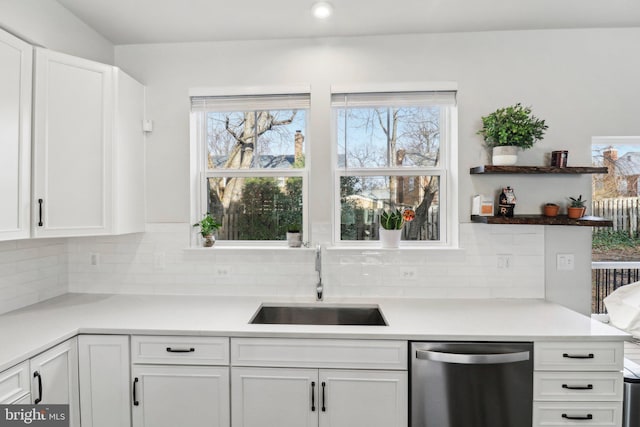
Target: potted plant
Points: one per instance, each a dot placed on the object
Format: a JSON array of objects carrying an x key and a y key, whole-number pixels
[
  {"x": 391, "y": 223},
  {"x": 551, "y": 209},
  {"x": 208, "y": 225},
  {"x": 576, "y": 207},
  {"x": 508, "y": 129},
  {"x": 294, "y": 238}
]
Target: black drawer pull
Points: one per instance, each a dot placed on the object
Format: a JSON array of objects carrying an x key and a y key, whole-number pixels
[
  {"x": 135, "y": 399},
  {"x": 586, "y": 417},
  {"x": 313, "y": 396},
  {"x": 578, "y": 387},
  {"x": 40, "y": 201},
  {"x": 181, "y": 350},
  {"x": 324, "y": 407},
  {"x": 578, "y": 356},
  {"x": 37, "y": 375}
]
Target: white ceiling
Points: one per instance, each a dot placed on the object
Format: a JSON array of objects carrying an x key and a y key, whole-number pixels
[{"x": 162, "y": 21}]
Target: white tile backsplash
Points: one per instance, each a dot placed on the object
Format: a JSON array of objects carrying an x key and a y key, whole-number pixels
[
  {"x": 31, "y": 271},
  {"x": 157, "y": 262}
]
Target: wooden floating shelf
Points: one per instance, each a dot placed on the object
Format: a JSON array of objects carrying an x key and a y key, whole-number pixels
[
  {"x": 587, "y": 221},
  {"x": 570, "y": 170}
]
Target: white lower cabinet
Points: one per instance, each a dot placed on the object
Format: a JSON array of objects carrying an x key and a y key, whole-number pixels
[
  {"x": 104, "y": 372},
  {"x": 305, "y": 396},
  {"x": 180, "y": 381},
  {"x": 169, "y": 396},
  {"x": 578, "y": 383},
  {"x": 14, "y": 385},
  {"x": 54, "y": 378}
]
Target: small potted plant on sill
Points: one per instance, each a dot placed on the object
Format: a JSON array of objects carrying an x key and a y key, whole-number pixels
[
  {"x": 391, "y": 223},
  {"x": 294, "y": 237},
  {"x": 509, "y": 129},
  {"x": 576, "y": 208},
  {"x": 551, "y": 209},
  {"x": 208, "y": 225}
]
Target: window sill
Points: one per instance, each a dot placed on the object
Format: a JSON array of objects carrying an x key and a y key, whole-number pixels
[{"x": 218, "y": 248}]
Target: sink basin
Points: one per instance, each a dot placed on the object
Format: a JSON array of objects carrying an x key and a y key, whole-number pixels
[{"x": 360, "y": 315}]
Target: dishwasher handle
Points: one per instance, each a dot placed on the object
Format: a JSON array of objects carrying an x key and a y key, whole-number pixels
[{"x": 472, "y": 359}]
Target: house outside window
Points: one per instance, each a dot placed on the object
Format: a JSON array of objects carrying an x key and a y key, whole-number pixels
[
  {"x": 252, "y": 163},
  {"x": 395, "y": 150}
]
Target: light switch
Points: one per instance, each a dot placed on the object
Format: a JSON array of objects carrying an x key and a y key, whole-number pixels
[{"x": 565, "y": 262}]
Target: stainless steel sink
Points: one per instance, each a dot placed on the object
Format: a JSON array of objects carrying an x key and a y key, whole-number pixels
[{"x": 320, "y": 314}]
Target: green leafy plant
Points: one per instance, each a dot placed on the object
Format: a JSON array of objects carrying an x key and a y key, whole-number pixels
[
  {"x": 514, "y": 125},
  {"x": 207, "y": 225},
  {"x": 394, "y": 219},
  {"x": 577, "y": 203},
  {"x": 391, "y": 220}
]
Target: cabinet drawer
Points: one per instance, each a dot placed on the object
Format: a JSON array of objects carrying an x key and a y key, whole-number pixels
[
  {"x": 578, "y": 356},
  {"x": 14, "y": 383},
  {"x": 319, "y": 353},
  {"x": 179, "y": 350},
  {"x": 575, "y": 386},
  {"x": 592, "y": 414}
]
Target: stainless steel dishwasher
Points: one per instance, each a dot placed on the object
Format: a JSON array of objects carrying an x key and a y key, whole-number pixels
[{"x": 471, "y": 384}]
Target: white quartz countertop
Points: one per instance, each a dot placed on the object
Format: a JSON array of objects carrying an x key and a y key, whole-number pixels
[{"x": 28, "y": 331}]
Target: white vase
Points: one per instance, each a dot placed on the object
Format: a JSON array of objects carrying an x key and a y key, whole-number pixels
[
  {"x": 390, "y": 238},
  {"x": 506, "y": 155}
]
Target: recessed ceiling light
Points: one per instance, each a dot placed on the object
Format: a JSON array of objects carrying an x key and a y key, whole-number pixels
[{"x": 322, "y": 9}]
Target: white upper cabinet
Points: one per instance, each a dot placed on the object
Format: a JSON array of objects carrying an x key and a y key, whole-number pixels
[
  {"x": 88, "y": 148},
  {"x": 15, "y": 136}
]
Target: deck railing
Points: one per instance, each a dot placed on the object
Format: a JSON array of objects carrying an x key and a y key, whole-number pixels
[{"x": 609, "y": 276}]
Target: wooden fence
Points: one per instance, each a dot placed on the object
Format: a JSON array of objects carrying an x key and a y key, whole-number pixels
[{"x": 623, "y": 211}]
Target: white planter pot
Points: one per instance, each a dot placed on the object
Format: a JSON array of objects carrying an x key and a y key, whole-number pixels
[
  {"x": 505, "y": 155},
  {"x": 390, "y": 238},
  {"x": 294, "y": 240}
]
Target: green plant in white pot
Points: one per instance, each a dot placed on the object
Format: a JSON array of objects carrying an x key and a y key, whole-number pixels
[
  {"x": 510, "y": 129},
  {"x": 391, "y": 223}
]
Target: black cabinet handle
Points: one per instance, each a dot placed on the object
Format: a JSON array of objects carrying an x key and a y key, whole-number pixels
[
  {"x": 578, "y": 387},
  {"x": 578, "y": 356},
  {"x": 313, "y": 396},
  {"x": 586, "y": 417},
  {"x": 181, "y": 350},
  {"x": 37, "y": 375},
  {"x": 324, "y": 408},
  {"x": 135, "y": 399},
  {"x": 40, "y": 224}
]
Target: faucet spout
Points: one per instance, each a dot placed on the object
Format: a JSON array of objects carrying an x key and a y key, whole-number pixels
[{"x": 319, "y": 286}]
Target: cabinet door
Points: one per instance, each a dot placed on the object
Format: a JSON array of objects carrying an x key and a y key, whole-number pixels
[
  {"x": 73, "y": 121},
  {"x": 103, "y": 369},
  {"x": 279, "y": 397},
  {"x": 170, "y": 396},
  {"x": 54, "y": 378},
  {"x": 363, "y": 398},
  {"x": 15, "y": 136}
]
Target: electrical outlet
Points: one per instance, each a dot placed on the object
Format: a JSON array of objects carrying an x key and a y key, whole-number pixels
[
  {"x": 505, "y": 262},
  {"x": 222, "y": 271},
  {"x": 95, "y": 259},
  {"x": 408, "y": 273},
  {"x": 565, "y": 262}
]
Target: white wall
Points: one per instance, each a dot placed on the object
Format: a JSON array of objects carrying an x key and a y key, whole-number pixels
[
  {"x": 583, "y": 82},
  {"x": 46, "y": 23}
]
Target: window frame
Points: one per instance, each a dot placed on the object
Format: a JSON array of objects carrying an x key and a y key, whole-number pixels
[
  {"x": 198, "y": 161},
  {"x": 447, "y": 171}
]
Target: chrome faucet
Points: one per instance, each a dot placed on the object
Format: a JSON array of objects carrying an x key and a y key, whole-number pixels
[{"x": 319, "y": 287}]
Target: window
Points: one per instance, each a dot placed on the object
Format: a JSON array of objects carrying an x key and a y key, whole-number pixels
[
  {"x": 252, "y": 163},
  {"x": 395, "y": 151}
]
